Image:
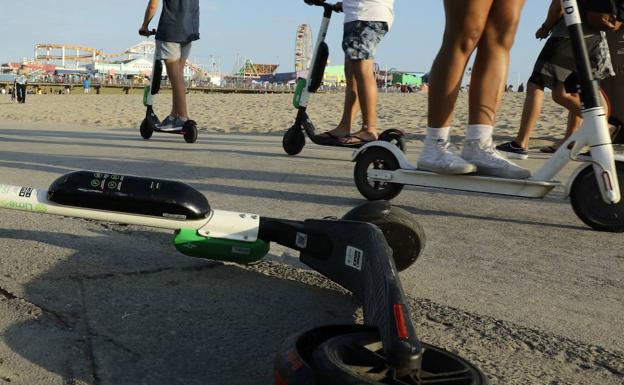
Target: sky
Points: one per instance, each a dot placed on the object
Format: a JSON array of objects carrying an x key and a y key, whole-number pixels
[{"x": 262, "y": 30}]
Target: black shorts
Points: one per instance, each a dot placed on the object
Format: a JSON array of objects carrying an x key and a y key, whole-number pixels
[{"x": 556, "y": 63}]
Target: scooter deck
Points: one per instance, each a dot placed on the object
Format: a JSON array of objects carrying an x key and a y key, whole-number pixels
[{"x": 527, "y": 188}]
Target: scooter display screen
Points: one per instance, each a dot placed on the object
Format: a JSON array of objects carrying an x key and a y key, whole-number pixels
[{"x": 129, "y": 194}]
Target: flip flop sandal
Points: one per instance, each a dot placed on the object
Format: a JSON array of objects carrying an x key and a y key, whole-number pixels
[
  {"x": 359, "y": 141},
  {"x": 548, "y": 149},
  {"x": 328, "y": 137}
]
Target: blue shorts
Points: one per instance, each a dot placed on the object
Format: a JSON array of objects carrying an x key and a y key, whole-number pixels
[{"x": 361, "y": 38}]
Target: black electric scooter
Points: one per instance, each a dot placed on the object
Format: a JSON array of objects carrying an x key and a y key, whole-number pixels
[
  {"x": 294, "y": 138},
  {"x": 351, "y": 251},
  {"x": 151, "y": 123}
]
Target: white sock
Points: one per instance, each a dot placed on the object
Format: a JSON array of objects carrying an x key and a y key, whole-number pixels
[
  {"x": 480, "y": 132},
  {"x": 438, "y": 133}
]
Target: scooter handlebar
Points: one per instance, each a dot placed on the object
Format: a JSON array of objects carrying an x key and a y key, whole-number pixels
[
  {"x": 321, "y": 3},
  {"x": 147, "y": 33}
]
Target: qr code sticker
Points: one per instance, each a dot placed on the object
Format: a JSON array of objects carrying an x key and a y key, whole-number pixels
[{"x": 354, "y": 257}]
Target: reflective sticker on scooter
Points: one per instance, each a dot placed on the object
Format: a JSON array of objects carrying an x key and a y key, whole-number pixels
[
  {"x": 354, "y": 257},
  {"x": 301, "y": 240}
]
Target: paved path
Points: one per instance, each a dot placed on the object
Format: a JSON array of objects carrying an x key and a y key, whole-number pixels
[{"x": 521, "y": 287}]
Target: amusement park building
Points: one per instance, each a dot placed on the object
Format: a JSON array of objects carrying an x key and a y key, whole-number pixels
[{"x": 136, "y": 60}]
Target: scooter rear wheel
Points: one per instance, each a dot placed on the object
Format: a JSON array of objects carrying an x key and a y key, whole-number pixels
[
  {"x": 293, "y": 140},
  {"x": 395, "y": 137},
  {"x": 379, "y": 159},
  {"x": 588, "y": 205},
  {"x": 404, "y": 234},
  {"x": 190, "y": 131},
  {"x": 146, "y": 130},
  {"x": 358, "y": 359}
]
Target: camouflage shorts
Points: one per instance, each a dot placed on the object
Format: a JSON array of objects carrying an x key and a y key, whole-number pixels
[{"x": 361, "y": 38}]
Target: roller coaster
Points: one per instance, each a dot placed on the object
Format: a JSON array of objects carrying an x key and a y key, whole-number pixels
[{"x": 46, "y": 53}]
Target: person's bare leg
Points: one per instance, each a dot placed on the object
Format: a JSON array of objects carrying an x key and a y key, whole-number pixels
[
  {"x": 175, "y": 72},
  {"x": 465, "y": 21},
  {"x": 351, "y": 103},
  {"x": 490, "y": 70},
  {"x": 530, "y": 113},
  {"x": 364, "y": 74},
  {"x": 489, "y": 75},
  {"x": 572, "y": 102},
  {"x": 574, "y": 122}
]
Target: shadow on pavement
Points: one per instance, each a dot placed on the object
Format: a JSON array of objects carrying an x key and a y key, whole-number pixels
[{"x": 128, "y": 314}]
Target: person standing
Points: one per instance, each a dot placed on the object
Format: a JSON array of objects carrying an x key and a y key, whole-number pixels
[
  {"x": 489, "y": 27},
  {"x": 178, "y": 27},
  {"x": 86, "y": 85},
  {"x": 555, "y": 69},
  {"x": 20, "y": 82},
  {"x": 366, "y": 23}
]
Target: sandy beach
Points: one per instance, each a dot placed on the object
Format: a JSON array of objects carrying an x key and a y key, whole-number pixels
[
  {"x": 269, "y": 113},
  {"x": 521, "y": 288}
]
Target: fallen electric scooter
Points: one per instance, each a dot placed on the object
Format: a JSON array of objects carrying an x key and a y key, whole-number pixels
[{"x": 353, "y": 252}]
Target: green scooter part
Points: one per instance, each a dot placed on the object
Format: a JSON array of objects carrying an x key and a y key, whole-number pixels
[
  {"x": 301, "y": 84},
  {"x": 146, "y": 92},
  {"x": 189, "y": 242}
]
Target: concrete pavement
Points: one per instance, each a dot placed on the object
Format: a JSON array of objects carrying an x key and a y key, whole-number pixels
[{"x": 521, "y": 287}]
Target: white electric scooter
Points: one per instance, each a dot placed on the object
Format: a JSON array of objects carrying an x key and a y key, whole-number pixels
[{"x": 382, "y": 170}]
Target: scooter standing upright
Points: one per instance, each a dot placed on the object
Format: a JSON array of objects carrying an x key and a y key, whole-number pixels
[
  {"x": 294, "y": 138},
  {"x": 594, "y": 188},
  {"x": 151, "y": 123}
]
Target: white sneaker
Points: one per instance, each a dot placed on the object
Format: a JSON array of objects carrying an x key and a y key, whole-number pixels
[
  {"x": 489, "y": 162},
  {"x": 436, "y": 157}
]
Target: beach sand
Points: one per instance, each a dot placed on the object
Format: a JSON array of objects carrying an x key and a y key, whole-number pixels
[{"x": 271, "y": 113}]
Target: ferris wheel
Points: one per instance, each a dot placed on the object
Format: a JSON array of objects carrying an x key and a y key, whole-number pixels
[{"x": 303, "y": 48}]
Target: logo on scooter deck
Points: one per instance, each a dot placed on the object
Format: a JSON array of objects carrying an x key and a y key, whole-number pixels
[{"x": 24, "y": 206}]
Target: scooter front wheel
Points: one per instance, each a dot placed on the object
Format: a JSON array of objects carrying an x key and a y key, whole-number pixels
[
  {"x": 190, "y": 131},
  {"x": 146, "y": 130},
  {"x": 589, "y": 206},
  {"x": 293, "y": 140},
  {"x": 358, "y": 359},
  {"x": 404, "y": 234},
  {"x": 376, "y": 158},
  {"x": 394, "y": 136}
]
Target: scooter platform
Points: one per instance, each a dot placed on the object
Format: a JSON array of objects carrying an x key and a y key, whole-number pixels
[{"x": 527, "y": 188}]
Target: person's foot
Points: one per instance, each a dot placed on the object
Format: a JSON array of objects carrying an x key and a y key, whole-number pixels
[
  {"x": 359, "y": 137},
  {"x": 549, "y": 149},
  {"x": 171, "y": 124},
  {"x": 436, "y": 157},
  {"x": 513, "y": 151},
  {"x": 167, "y": 123},
  {"x": 489, "y": 162},
  {"x": 336, "y": 134},
  {"x": 328, "y": 138}
]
